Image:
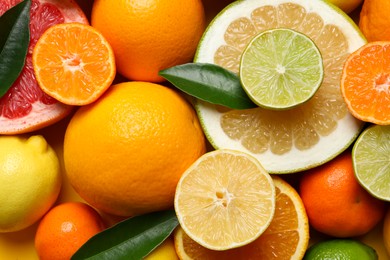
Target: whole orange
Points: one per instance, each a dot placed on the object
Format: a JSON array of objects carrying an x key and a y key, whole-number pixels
[
  {"x": 65, "y": 228},
  {"x": 148, "y": 36},
  {"x": 374, "y": 20},
  {"x": 125, "y": 153},
  {"x": 335, "y": 202},
  {"x": 386, "y": 231}
]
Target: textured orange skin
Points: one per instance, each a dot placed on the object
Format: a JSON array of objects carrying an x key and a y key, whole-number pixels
[
  {"x": 125, "y": 153},
  {"x": 386, "y": 231},
  {"x": 149, "y": 35},
  {"x": 335, "y": 202},
  {"x": 65, "y": 228},
  {"x": 374, "y": 20}
]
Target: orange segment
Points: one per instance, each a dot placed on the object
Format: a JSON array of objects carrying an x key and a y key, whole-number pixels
[
  {"x": 365, "y": 83},
  {"x": 287, "y": 237},
  {"x": 73, "y": 63}
]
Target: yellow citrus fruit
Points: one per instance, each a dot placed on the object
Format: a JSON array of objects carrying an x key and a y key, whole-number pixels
[
  {"x": 287, "y": 237},
  {"x": 125, "y": 153},
  {"x": 225, "y": 200},
  {"x": 374, "y": 20},
  {"x": 30, "y": 180},
  {"x": 148, "y": 36},
  {"x": 165, "y": 251},
  {"x": 346, "y": 5}
]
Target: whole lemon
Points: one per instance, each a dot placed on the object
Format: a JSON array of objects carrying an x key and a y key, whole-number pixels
[
  {"x": 30, "y": 180},
  {"x": 165, "y": 251},
  {"x": 125, "y": 153},
  {"x": 148, "y": 36}
]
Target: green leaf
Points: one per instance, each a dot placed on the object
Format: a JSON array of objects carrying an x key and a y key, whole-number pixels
[
  {"x": 131, "y": 239},
  {"x": 14, "y": 41},
  {"x": 210, "y": 83}
]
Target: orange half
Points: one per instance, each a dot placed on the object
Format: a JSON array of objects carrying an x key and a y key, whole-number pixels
[
  {"x": 365, "y": 83},
  {"x": 73, "y": 63},
  {"x": 287, "y": 237}
]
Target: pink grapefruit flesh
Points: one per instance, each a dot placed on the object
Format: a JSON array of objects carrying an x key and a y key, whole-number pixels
[{"x": 25, "y": 107}]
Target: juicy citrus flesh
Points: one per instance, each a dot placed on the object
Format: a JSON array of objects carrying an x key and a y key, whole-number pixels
[
  {"x": 281, "y": 68},
  {"x": 276, "y": 137},
  {"x": 365, "y": 83},
  {"x": 371, "y": 161},
  {"x": 287, "y": 236},
  {"x": 30, "y": 180},
  {"x": 73, "y": 63},
  {"x": 125, "y": 153},
  {"x": 65, "y": 228},
  {"x": 25, "y": 107},
  {"x": 225, "y": 200}
]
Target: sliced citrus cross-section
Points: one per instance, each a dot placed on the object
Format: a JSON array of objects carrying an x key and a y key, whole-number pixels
[
  {"x": 365, "y": 83},
  {"x": 73, "y": 63},
  {"x": 287, "y": 237},
  {"x": 225, "y": 200},
  {"x": 301, "y": 137},
  {"x": 281, "y": 68},
  {"x": 25, "y": 107},
  {"x": 370, "y": 156}
]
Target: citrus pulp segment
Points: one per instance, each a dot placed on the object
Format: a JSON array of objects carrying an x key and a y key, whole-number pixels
[
  {"x": 74, "y": 63},
  {"x": 25, "y": 107},
  {"x": 225, "y": 200},
  {"x": 281, "y": 68},
  {"x": 298, "y": 138},
  {"x": 371, "y": 162},
  {"x": 365, "y": 83},
  {"x": 287, "y": 237}
]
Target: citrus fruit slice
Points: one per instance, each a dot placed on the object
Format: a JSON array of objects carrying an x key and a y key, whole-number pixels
[
  {"x": 281, "y": 68},
  {"x": 225, "y": 200},
  {"x": 301, "y": 137},
  {"x": 370, "y": 155},
  {"x": 73, "y": 63},
  {"x": 25, "y": 107},
  {"x": 365, "y": 83},
  {"x": 287, "y": 237}
]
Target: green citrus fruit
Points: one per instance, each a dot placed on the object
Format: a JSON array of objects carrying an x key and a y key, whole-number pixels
[
  {"x": 342, "y": 249},
  {"x": 281, "y": 68},
  {"x": 294, "y": 139}
]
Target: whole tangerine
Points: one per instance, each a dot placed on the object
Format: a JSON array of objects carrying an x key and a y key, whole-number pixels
[
  {"x": 336, "y": 204},
  {"x": 65, "y": 228}
]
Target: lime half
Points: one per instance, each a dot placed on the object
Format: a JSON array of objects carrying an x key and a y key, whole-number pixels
[
  {"x": 371, "y": 160},
  {"x": 281, "y": 68}
]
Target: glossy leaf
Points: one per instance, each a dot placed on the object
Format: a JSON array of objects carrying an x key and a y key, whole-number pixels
[
  {"x": 14, "y": 41},
  {"x": 131, "y": 239},
  {"x": 210, "y": 83}
]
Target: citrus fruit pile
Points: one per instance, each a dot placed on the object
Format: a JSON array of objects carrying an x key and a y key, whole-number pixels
[{"x": 103, "y": 156}]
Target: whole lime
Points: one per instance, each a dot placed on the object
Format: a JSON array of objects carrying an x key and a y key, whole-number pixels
[
  {"x": 30, "y": 180},
  {"x": 343, "y": 249}
]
